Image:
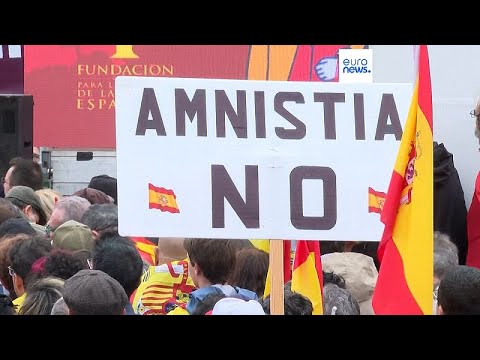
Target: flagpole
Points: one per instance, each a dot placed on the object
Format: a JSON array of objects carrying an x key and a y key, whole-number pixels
[{"x": 277, "y": 306}]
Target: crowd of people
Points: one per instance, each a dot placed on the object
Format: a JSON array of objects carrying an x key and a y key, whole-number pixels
[{"x": 61, "y": 254}]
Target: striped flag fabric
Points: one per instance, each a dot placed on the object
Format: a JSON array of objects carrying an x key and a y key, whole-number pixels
[
  {"x": 405, "y": 279},
  {"x": 376, "y": 199},
  {"x": 162, "y": 199},
  {"x": 307, "y": 276}
]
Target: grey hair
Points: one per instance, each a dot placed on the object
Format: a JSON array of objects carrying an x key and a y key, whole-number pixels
[
  {"x": 445, "y": 254},
  {"x": 73, "y": 206},
  {"x": 338, "y": 301},
  {"x": 101, "y": 216}
]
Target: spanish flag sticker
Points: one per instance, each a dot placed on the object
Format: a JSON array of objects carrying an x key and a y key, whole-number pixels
[{"x": 162, "y": 199}]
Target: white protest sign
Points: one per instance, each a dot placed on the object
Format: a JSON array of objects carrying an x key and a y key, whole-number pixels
[{"x": 255, "y": 159}]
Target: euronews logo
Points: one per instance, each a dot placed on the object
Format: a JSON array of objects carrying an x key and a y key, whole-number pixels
[
  {"x": 358, "y": 66},
  {"x": 355, "y": 65}
]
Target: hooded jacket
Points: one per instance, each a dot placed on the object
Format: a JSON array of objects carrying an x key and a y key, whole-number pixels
[
  {"x": 449, "y": 210},
  {"x": 360, "y": 275}
]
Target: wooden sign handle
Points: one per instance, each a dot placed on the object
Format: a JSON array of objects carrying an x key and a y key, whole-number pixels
[{"x": 277, "y": 305}]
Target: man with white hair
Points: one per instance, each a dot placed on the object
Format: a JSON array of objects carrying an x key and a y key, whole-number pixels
[{"x": 68, "y": 208}]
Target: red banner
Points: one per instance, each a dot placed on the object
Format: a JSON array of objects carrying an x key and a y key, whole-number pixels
[{"x": 73, "y": 85}]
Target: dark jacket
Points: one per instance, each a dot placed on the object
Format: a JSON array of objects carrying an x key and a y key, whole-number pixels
[{"x": 449, "y": 210}]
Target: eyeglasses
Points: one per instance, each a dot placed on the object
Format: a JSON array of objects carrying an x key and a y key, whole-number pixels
[
  {"x": 473, "y": 114},
  {"x": 11, "y": 271},
  {"x": 90, "y": 263},
  {"x": 49, "y": 230}
]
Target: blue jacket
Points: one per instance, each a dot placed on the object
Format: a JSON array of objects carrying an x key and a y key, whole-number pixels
[{"x": 198, "y": 295}]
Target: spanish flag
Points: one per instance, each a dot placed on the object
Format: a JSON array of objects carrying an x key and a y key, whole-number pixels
[
  {"x": 376, "y": 199},
  {"x": 162, "y": 199},
  {"x": 307, "y": 276},
  {"x": 405, "y": 279}
]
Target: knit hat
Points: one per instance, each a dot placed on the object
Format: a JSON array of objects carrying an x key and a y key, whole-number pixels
[
  {"x": 235, "y": 306},
  {"x": 16, "y": 226},
  {"x": 93, "y": 292},
  {"x": 73, "y": 236},
  {"x": 105, "y": 183},
  {"x": 94, "y": 196},
  {"x": 22, "y": 196}
]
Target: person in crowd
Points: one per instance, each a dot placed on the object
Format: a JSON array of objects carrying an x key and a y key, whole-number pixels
[
  {"x": 101, "y": 218},
  {"x": 211, "y": 264},
  {"x": 6, "y": 305},
  {"x": 92, "y": 292},
  {"x": 294, "y": 303},
  {"x": 459, "y": 292},
  {"x": 368, "y": 248},
  {"x": 68, "y": 208},
  {"x": 94, "y": 196},
  {"x": 16, "y": 226},
  {"x": 48, "y": 198},
  {"x": 360, "y": 275},
  {"x": 106, "y": 184},
  {"x": 205, "y": 306},
  {"x": 250, "y": 272},
  {"x": 449, "y": 210},
  {"x": 239, "y": 244},
  {"x": 63, "y": 264},
  {"x": 41, "y": 296},
  {"x": 6, "y": 279},
  {"x": 236, "y": 306},
  {"x": 8, "y": 211},
  {"x": 23, "y": 172},
  {"x": 73, "y": 236},
  {"x": 473, "y": 214},
  {"x": 166, "y": 286},
  {"x": 23, "y": 255},
  {"x": 117, "y": 256},
  {"x": 332, "y": 278},
  {"x": 445, "y": 258},
  {"x": 36, "y": 154},
  {"x": 338, "y": 301},
  {"x": 28, "y": 202}
]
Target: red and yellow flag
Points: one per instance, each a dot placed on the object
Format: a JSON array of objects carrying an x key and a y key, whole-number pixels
[
  {"x": 376, "y": 199},
  {"x": 405, "y": 279},
  {"x": 162, "y": 199},
  {"x": 307, "y": 276}
]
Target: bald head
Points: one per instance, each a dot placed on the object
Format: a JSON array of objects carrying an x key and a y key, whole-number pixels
[{"x": 170, "y": 249}]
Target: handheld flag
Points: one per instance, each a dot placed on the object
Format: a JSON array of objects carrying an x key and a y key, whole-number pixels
[
  {"x": 405, "y": 279},
  {"x": 307, "y": 276}
]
